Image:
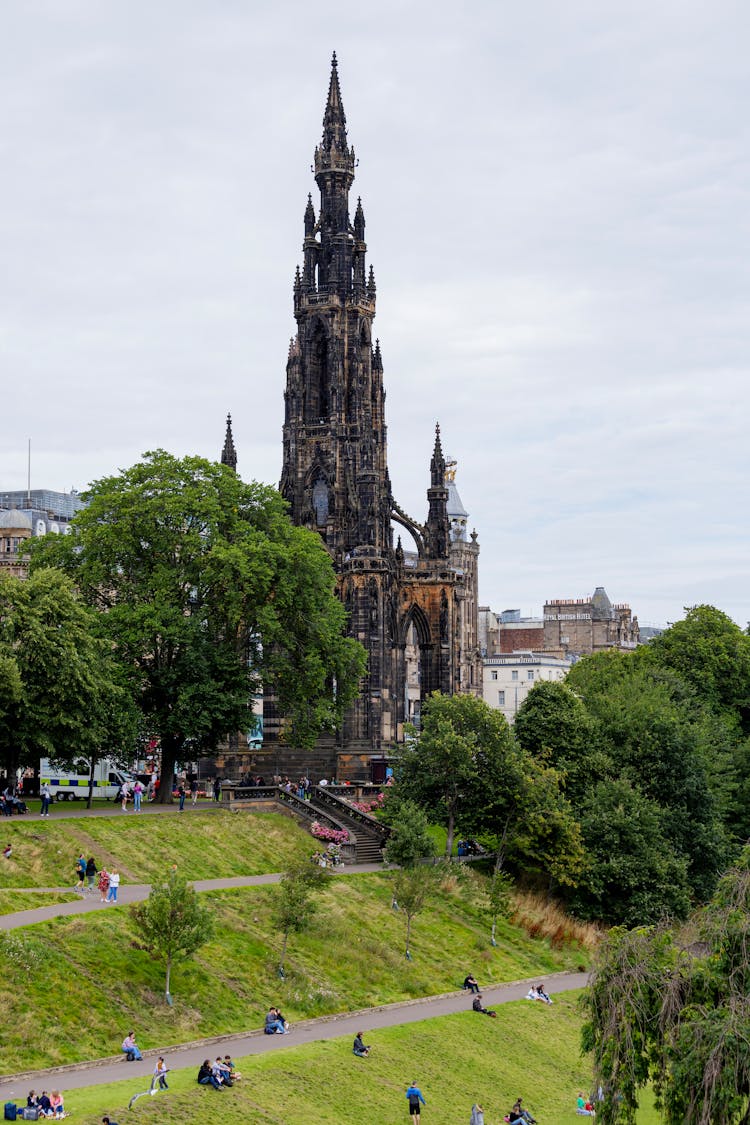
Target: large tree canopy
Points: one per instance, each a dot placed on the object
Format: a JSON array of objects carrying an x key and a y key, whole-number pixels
[
  {"x": 208, "y": 593},
  {"x": 59, "y": 692}
]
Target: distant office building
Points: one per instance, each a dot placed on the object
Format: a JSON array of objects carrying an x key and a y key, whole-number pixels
[
  {"x": 27, "y": 515},
  {"x": 508, "y": 679}
]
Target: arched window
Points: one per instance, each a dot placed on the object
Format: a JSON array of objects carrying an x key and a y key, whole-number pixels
[{"x": 320, "y": 502}]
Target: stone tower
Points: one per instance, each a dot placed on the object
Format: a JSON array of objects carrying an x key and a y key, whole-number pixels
[{"x": 335, "y": 470}]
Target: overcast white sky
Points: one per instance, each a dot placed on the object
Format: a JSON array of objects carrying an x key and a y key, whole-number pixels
[{"x": 557, "y": 212}]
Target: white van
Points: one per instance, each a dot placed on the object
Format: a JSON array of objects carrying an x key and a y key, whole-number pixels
[{"x": 65, "y": 786}]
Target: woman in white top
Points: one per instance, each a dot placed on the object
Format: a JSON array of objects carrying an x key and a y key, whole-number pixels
[{"x": 114, "y": 882}]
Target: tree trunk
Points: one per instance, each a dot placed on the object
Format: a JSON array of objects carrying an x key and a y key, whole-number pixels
[
  {"x": 169, "y": 750},
  {"x": 449, "y": 836},
  {"x": 91, "y": 781},
  {"x": 283, "y": 950}
]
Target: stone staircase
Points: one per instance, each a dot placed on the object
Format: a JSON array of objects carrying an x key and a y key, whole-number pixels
[{"x": 368, "y": 835}]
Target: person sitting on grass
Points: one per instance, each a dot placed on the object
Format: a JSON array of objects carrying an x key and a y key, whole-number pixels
[
  {"x": 108, "y": 1121},
  {"x": 56, "y": 1104},
  {"x": 359, "y": 1047},
  {"x": 470, "y": 983},
  {"x": 532, "y": 994},
  {"x": 522, "y": 1114},
  {"x": 584, "y": 1108},
  {"x": 478, "y": 1006},
  {"x": 206, "y": 1076},
  {"x": 130, "y": 1048},
  {"x": 274, "y": 1026},
  {"x": 32, "y": 1101},
  {"x": 45, "y": 1108},
  {"x": 280, "y": 1016},
  {"x": 234, "y": 1074},
  {"x": 542, "y": 995},
  {"x": 220, "y": 1072}
]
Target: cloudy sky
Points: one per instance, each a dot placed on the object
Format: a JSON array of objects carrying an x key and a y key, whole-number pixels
[{"x": 557, "y": 212}]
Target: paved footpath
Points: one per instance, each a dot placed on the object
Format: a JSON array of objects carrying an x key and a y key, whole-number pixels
[
  {"x": 136, "y": 892},
  {"x": 369, "y": 1020}
]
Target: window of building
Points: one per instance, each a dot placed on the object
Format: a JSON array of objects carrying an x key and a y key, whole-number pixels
[
  {"x": 494, "y": 675},
  {"x": 501, "y": 699},
  {"x": 514, "y": 674},
  {"x": 530, "y": 674}
]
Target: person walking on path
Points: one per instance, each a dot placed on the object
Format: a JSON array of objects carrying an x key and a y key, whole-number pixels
[
  {"x": 194, "y": 789},
  {"x": 46, "y": 796},
  {"x": 80, "y": 873},
  {"x": 181, "y": 795},
  {"x": 414, "y": 1097},
  {"x": 125, "y": 795},
  {"x": 103, "y": 883},
  {"x": 90, "y": 872},
  {"x": 160, "y": 1074},
  {"x": 114, "y": 882},
  {"x": 217, "y": 788},
  {"x": 137, "y": 794}
]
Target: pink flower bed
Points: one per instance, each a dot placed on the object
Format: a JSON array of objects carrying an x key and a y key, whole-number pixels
[
  {"x": 332, "y": 835},
  {"x": 369, "y": 806}
]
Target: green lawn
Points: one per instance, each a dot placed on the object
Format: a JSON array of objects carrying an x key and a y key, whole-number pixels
[
  {"x": 144, "y": 848},
  {"x": 11, "y": 901},
  {"x": 351, "y": 957},
  {"x": 456, "y": 1061}
]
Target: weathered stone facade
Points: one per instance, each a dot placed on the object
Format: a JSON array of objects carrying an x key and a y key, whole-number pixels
[
  {"x": 574, "y": 626},
  {"x": 335, "y": 477}
]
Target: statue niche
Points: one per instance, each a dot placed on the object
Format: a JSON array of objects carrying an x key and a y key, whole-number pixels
[{"x": 318, "y": 381}]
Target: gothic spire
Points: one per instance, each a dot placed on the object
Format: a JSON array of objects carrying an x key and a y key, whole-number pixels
[
  {"x": 437, "y": 464},
  {"x": 437, "y": 527},
  {"x": 334, "y": 118},
  {"x": 228, "y": 453}
]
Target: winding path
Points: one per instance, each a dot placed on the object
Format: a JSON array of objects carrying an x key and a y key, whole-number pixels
[{"x": 255, "y": 1042}]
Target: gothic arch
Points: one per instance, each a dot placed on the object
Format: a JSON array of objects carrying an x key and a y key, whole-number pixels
[{"x": 415, "y": 616}]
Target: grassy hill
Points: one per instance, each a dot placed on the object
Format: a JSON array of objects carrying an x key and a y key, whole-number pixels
[
  {"x": 87, "y": 980},
  {"x": 456, "y": 1060},
  {"x": 206, "y": 845}
]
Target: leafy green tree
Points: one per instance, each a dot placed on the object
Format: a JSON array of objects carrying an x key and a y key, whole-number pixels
[
  {"x": 632, "y": 874},
  {"x": 665, "y": 1008},
  {"x": 516, "y": 805},
  {"x": 172, "y": 922},
  {"x": 712, "y": 655},
  {"x": 410, "y": 841},
  {"x": 554, "y": 727},
  {"x": 208, "y": 593},
  {"x": 436, "y": 768},
  {"x": 652, "y": 733},
  {"x": 295, "y": 900},
  {"x": 60, "y": 695},
  {"x": 412, "y": 888},
  {"x": 499, "y": 901}
]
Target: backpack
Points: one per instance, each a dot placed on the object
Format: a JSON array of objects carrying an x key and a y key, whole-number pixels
[
  {"x": 11, "y": 1111},
  {"x": 30, "y": 1113}
]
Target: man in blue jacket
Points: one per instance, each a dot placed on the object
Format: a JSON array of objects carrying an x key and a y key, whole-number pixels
[{"x": 414, "y": 1097}]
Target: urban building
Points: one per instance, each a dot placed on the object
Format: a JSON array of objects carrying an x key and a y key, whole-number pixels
[
  {"x": 508, "y": 679},
  {"x": 509, "y": 632},
  {"x": 27, "y": 514},
  {"x": 574, "y": 626}
]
